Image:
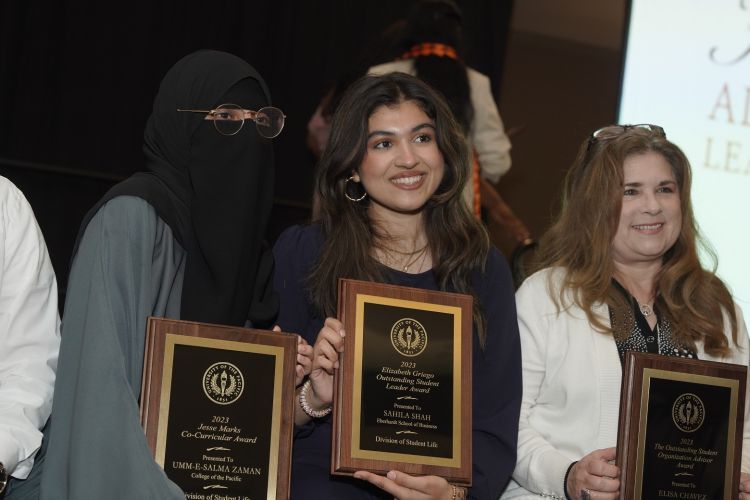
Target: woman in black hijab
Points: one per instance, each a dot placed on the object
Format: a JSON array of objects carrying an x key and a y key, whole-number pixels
[{"x": 182, "y": 240}]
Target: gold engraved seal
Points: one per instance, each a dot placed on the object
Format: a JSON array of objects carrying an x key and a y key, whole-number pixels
[
  {"x": 688, "y": 412},
  {"x": 408, "y": 337},
  {"x": 223, "y": 383}
]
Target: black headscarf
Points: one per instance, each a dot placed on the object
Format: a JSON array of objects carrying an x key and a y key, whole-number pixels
[{"x": 214, "y": 191}]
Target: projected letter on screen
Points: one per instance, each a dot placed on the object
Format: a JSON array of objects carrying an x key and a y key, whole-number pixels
[{"x": 687, "y": 68}]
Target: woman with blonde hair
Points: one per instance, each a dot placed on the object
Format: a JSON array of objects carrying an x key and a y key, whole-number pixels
[{"x": 620, "y": 271}]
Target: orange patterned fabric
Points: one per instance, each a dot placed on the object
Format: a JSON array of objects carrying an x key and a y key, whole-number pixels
[
  {"x": 429, "y": 49},
  {"x": 475, "y": 182}
]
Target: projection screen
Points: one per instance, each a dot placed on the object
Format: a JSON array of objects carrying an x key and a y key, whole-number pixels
[{"x": 687, "y": 68}]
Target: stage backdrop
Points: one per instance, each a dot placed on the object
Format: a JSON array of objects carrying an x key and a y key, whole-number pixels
[{"x": 687, "y": 68}]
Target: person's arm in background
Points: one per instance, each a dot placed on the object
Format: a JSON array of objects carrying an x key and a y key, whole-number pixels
[
  {"x": 29, "y": 332},
  {"x": 487, "y": 132},
  {"x": 492, "y": 147}
]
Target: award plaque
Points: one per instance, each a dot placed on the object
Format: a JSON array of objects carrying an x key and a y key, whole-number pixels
[
  {"x": 217, "y": 408},
  {"x": 403, "y": 388},
  {"x": 680, "y": 432}
]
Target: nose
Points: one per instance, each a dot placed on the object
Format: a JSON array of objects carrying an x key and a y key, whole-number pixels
[
  {"x": 406, "y": 156},
  {"x": 651, "y": 204}
]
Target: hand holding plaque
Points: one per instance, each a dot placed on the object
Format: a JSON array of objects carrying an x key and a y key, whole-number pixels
[
  {"x": 594, "y": 472},
  {"x": 402, "y": 396},
  {"x": 329, "y": 344}
]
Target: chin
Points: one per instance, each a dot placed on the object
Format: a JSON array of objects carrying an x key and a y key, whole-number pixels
[{"x": 652, "y": 256}]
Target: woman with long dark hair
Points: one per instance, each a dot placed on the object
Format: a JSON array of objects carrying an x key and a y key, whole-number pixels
[{"x": 390, "y": 184}]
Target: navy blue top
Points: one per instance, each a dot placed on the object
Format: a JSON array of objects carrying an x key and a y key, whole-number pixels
[{"x": 496, "y": 373}]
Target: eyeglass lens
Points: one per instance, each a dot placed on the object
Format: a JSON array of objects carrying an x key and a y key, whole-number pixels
[
  {"x": 269, "y": 122},
  {"x": 229, "y": 118}
]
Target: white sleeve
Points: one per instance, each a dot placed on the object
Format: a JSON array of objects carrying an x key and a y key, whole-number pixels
[
  {"x": 29, "y": 332},
  {"x": 540, "y": 467},
  {"x": 487, "y": 133}
]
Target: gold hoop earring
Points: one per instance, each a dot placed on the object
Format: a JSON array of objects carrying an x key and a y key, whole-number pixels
[{"x": 346, "y": 186}]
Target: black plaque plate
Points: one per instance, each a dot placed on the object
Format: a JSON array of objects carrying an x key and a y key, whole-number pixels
[
  {"x": 216, "y": 408},
  {"x": 681, "y": 426},
  {"x": 404, "y": 390}
]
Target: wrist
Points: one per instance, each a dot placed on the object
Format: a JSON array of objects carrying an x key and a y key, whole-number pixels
[
  {"x": 565, "y": 480},
  {"x": 458, "y": 492},
  {"x": 310, "y": 404}
]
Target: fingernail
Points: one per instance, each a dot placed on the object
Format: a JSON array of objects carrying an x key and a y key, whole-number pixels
[
  {"x": 358, "y": 475},
  {"x": 391, "y": 475}
]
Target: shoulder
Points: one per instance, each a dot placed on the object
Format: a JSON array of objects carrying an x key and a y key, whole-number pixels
[
  {"x": 12, "y": 199},
  {"x": 120, "y": 222},
  {"x": 18, "y": 225},
  {"x": 126, "y": 208},
  {"x": 477, "y": 78},
  {"x": 405, "y": 66},
  {"x": 495, "y": 278},
  {"x": 298, "y": 245},
  {"x": 7, "y": 188},
  {"x": 496, "y": 263},
  {"x": 300, "y": 239},
  {"x": 480, "y": 87},
  {"x": 543, "y": 283}
]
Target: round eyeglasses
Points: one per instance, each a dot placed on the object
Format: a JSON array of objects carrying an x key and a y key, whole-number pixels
[{"x": 229, "y": 119}]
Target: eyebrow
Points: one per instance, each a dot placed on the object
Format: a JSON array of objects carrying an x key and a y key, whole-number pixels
[
  {"x": 639, "y": 184},
  {"x": 416, "y": 128}
]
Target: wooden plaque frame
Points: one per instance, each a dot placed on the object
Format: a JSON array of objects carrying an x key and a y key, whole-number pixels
[
  {"x": 348, "y": 454},
  {"x": 278, "y": 350},
  {"x": 642, "y": 372}
]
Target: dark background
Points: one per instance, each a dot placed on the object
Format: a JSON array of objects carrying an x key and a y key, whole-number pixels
[{"x": 78, "y": 77}]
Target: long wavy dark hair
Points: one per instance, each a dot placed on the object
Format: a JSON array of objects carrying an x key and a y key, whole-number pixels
[
  {"x": 580, "y": 241},
  {"x": 458, "y": 242}
]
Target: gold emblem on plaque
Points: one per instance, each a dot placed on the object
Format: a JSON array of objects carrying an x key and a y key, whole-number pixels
[
  {"x": 408, "y": 337},
  {"x": 223, "y": 383},
  {"x": 688, "y": 412}
]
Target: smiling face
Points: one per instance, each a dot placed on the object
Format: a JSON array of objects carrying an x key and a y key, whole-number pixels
[
  {"x": 403, "y": 166},
  {"x": 651, "y": 215}
]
